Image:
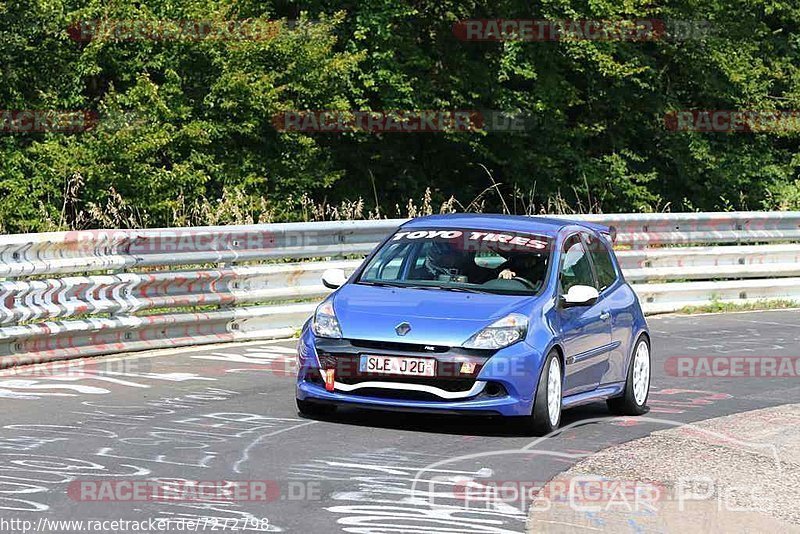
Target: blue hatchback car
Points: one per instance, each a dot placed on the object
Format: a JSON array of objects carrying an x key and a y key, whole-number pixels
[{"x": 480, "y": 314}]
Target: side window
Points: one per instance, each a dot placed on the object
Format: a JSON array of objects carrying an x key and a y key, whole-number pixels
[
  {"x": 575, "y": 267},
  {"x": 387, "y": 266},
  {"x": 603, "y": 265}
]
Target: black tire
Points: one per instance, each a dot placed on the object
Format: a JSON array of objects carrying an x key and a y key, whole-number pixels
[
  {"x": 627, "y": 403},
  {"x": 314, "y": 409},
  {"x": 539, "y": 422}
]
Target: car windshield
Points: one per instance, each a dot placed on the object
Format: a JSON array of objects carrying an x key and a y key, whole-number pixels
[{"x": 469, "y": 260}]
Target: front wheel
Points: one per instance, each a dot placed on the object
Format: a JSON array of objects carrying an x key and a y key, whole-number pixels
[
  {"x": 546, "y": 414},
  {"x": 637, "y": 385}
]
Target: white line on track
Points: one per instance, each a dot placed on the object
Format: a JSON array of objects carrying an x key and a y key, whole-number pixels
[{"x": 246, "y": 451}]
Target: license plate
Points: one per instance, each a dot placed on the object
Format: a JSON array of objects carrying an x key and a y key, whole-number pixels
[{"x": 397, "y": 365}]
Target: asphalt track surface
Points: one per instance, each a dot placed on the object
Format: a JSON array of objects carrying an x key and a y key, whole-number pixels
[{"x": 72, "y": 435}]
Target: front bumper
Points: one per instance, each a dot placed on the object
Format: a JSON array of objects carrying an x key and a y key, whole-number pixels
[{"x": 502, "y": 383}]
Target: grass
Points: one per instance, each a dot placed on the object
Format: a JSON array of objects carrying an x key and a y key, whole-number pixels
[{"x": 718, "y": 306}]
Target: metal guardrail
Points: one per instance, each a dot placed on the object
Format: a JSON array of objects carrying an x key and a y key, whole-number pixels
[{"x": 121, "y": 289}]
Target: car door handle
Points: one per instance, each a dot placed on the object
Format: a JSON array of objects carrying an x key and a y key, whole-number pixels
[{"x": 605, "y": 315}]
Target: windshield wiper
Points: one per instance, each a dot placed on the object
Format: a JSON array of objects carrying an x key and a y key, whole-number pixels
[
  {"x": 378, "y": 284},
  {"x": 411, "y": 286},
  {"x": 449, "y": 288},
  {"x": 465, "y": 289}
]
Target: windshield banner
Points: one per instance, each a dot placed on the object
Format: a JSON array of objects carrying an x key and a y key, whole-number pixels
[{"x": 473, "y": 239}]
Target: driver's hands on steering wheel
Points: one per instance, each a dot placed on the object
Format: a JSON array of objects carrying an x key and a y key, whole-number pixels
[{"x": 506, "y": 274}]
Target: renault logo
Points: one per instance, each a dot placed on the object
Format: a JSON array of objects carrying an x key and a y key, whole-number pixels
[{"x": 402, "y": 329}]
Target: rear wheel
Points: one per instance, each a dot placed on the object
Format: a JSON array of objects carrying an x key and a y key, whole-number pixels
[
  {"x": 312, "y": 409},
  {"x": 637, "y": 385},
  {"x": 546, "y": 414}
]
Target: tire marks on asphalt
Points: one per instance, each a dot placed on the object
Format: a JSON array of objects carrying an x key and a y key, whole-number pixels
[
  {"x": 380, "y": 491},
  {"x": 90, "y": 377}
]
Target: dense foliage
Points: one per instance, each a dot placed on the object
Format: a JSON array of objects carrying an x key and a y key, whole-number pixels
[{"x": 185, "y": 131}]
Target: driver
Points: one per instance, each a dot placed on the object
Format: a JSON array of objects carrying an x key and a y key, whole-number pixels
[
  {"x": 531, "y": 267},
  {"x": 444, "y": 258}
]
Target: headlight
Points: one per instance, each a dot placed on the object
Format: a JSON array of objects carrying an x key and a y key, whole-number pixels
[
  {"x": 501, "y": 333},
  {"x": 325, "y": 323}
]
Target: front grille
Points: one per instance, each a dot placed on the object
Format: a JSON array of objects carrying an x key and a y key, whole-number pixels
[
  {"x": 402, "y": 347},
  {"x": 344, "y": 355},
  {"x": 448, "y": 375}
]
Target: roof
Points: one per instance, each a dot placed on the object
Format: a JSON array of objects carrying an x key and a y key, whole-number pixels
[{"x": 495, "y": 221}]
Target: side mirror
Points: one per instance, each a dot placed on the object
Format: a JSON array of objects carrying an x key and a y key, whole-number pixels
[
  {"x": 334, "y": 278},
  {"x": 580, "y": 296}
]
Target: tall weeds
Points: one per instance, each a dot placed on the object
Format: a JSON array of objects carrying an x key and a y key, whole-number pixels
[{"x": 235, "y": 206}]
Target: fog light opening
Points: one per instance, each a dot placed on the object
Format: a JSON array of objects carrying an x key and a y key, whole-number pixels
[{"x": 494, "y": 390}]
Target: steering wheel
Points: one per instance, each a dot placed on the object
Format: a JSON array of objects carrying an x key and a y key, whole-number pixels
[{"x": 527, "y": 283}]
